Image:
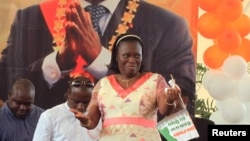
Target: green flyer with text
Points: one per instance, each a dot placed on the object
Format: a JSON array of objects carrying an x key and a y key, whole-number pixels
[{"x": 178, "y": 127}]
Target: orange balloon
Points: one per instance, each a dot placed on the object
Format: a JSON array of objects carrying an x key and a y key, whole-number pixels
[
  {"x": 214, "y": 57},
  {"x": 242, "y": 25},
  {"x": 244, "y": 49},
  {"x": 208, "y": 5},
  {"x": 229, "y": 40},
  {"x": 229, "y": 10},
  {"x": 209, "y": 25}
]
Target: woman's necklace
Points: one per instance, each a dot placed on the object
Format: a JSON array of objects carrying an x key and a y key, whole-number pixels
[{"x": 127, "y": 80}]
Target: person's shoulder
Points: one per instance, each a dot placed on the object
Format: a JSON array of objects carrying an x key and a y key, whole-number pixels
[
  {"x": 1, "y": 103},
  {"x": 38, "y": 109},
  {"x": 55, "y": 108},
  {"x": 53, "y": 112},
  {"x": 5, "y": 115},
  {"x": 3, "y": 109},
  {"x": 107, "y": 77},
  {"x": 30, "y": 8},
  {"x": 1, "y": 112},
  {"x": 29, "y": 12},
  {"x": 156, "y": 74},
  {"x": 157, "y": 9},
  {"x": 150, "y": 73}
]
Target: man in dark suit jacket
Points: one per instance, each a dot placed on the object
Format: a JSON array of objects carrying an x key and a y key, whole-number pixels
[{"x": 167, "y": 41}]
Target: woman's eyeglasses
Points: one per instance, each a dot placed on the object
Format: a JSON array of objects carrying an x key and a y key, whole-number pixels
[{"x": 80, "y": 83}]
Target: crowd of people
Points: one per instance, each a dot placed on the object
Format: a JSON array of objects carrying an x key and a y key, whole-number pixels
[{"x": 130, "y": 64}]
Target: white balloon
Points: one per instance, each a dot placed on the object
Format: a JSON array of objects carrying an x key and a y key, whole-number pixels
[
  {"x": 206, "y": 77},
  {"x": 243, "y": 122},
  {"x": 235, "y": 66},
  {"x": 247, "y": 117},
  {"x": 220, "y": 86},
  {"x": 233, "y": 110},
  {"x": 217, "y": 118},
  {"x": 218, "y": 104},
  {"x": 243, "y": 88}
]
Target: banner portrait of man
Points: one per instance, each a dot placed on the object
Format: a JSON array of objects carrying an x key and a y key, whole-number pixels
[{"x": 50, "y": 41}]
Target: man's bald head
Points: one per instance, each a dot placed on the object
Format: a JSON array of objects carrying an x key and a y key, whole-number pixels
[{"x": 24, "y": 85}]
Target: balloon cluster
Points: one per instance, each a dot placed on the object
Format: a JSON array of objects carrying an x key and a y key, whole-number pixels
[{"x": 227, "y": 80}]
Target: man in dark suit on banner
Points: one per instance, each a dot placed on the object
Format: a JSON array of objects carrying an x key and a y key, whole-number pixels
[{"x": 41, "y": 49}]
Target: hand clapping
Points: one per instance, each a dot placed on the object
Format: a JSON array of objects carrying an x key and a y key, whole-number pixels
[{"x": 81, "y": 38}]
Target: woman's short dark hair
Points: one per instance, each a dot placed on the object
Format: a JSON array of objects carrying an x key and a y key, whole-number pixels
[{"x": 113, "y": 66}]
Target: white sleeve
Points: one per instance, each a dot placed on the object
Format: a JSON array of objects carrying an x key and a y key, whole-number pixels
[
  {"x": 98, "y": 67},
  {"x": 44, "y": 129},
  {"x": 51, "y": 71}
]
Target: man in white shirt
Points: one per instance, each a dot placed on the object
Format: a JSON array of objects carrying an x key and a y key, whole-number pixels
[{"x": 59, "y": 124}]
